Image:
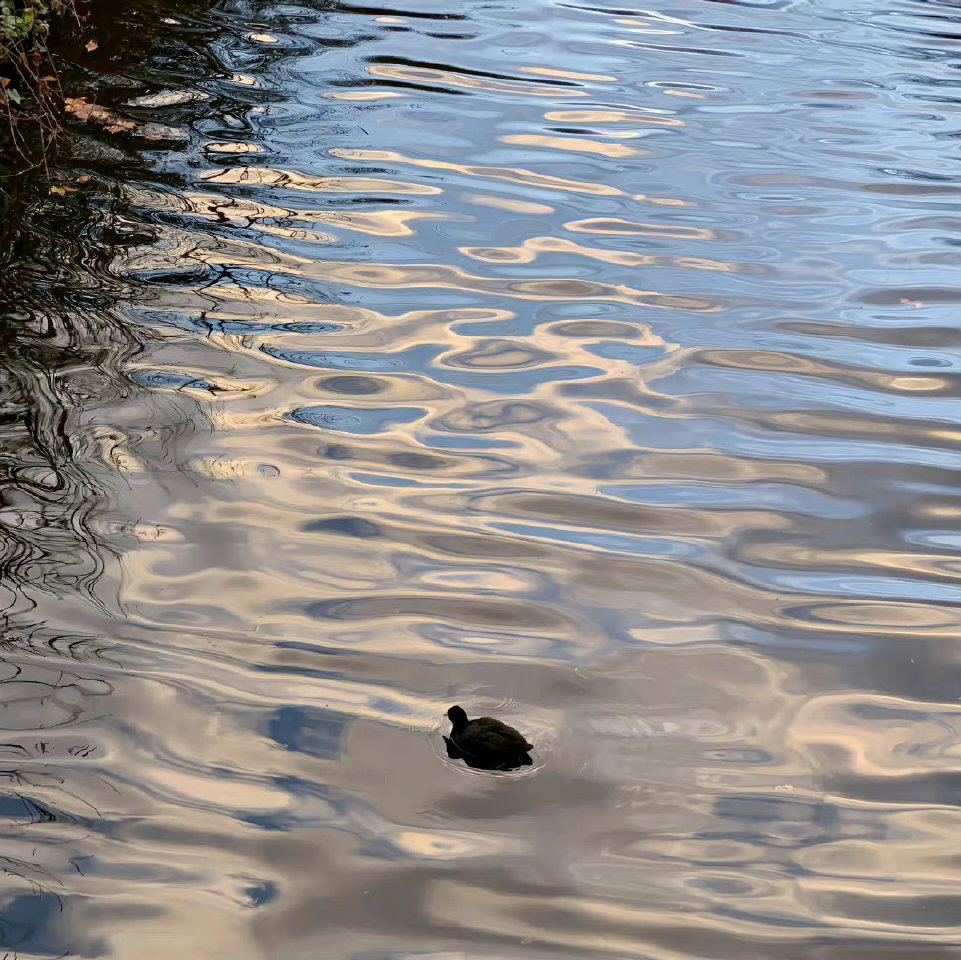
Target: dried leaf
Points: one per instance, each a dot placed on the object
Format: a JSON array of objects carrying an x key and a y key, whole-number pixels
[
  {"x": 84, "y": 178},
  {"x": 4, "y": 82},
  {"x": 62, "y": 191},
  {"x": 50, "y": 78},
  {"x": 82, "y": 110},
  {"x": 120, "y": 126},
  {"x": 78, "y": 106},
  {"x": 91, "y": 46}
]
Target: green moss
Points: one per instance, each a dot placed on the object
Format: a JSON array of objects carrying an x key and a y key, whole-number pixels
[
  {"x": 16, "y": 24},
  {"x": 23, "y": 20}
]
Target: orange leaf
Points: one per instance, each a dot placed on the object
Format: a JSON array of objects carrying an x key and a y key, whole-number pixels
[
  {"x": 78, "y": 106},
  {"x": 91, "y": 46},
  {"x": 120, "y": 126},
  {"x": 50, "y": 78},
  {"x": 4, "y": 82},
  {"x": 62, "y": 191},
  {"x": 82, "y": 110}
]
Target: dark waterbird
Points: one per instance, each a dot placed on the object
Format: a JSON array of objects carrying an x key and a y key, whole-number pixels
[{"x": 485, "y": 743}]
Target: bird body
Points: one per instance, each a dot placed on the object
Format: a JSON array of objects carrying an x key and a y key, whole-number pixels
[{"x": 486, "y": 743}]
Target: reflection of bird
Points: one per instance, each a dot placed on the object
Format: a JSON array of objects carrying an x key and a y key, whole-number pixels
[{"x": 485, "y": 743}]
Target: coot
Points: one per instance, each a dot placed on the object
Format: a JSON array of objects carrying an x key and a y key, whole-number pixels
[{"x": 485, "y": 743}]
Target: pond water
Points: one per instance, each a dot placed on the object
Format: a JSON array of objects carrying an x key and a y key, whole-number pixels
[{"x": 591, "y": 366}]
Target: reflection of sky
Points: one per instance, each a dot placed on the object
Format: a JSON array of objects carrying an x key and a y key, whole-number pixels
[
  {"x": 588, "y": 366},
  {"x": 618, "y": 543},
  {"x": 706, "y": 432},
  {"x": 785, "y": 497},
  {"x": 314, "y": 732}
]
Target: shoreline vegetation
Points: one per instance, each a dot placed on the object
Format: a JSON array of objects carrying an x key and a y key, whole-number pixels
[
  {"x": 60, "y": 61},
  {"x": 50, "y": 62},
  {"x": 31, "y": 99}
]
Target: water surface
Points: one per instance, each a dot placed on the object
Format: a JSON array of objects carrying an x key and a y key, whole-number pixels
[{"x": 590, "y": 365}]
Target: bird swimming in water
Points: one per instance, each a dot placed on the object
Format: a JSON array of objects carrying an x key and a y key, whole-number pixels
[{"x": 485, "y": 743}]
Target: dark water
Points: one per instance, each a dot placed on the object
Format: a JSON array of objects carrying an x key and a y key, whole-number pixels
[{"x": 591, "y": 365}]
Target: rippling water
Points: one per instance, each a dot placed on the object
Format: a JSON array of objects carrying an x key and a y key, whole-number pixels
[{"x": 590, "y": 365}]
